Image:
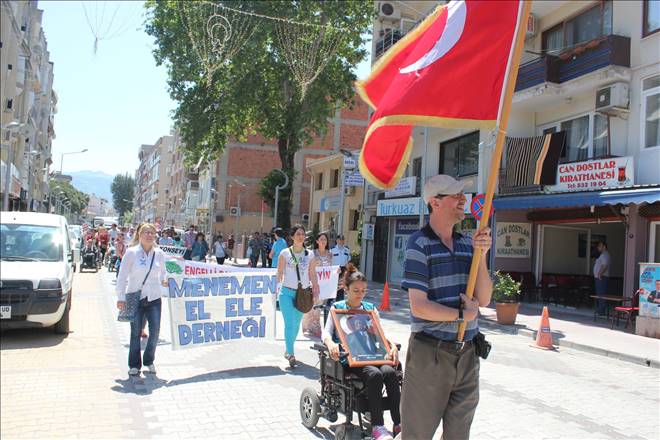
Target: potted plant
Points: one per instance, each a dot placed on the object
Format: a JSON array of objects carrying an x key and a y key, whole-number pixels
[{"x": 506, "y": 293}]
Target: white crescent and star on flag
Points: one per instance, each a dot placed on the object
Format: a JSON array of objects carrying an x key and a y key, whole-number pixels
[{"x": 456, "y": 14}]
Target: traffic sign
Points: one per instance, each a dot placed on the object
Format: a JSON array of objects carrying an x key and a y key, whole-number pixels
[{"x": 477, "y": 206}]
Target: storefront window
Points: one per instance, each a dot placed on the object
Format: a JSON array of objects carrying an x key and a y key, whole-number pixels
[
  {"x": 651, "y": 111},
  {"x": 601, "y": 136},
  {"x": 460, "y": 157}
]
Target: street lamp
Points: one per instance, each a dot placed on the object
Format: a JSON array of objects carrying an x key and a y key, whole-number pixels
[
  {"x": 12, "y": 126},
  {"x": 277, "y": 194},
  {"x": 71, "y": 152}
]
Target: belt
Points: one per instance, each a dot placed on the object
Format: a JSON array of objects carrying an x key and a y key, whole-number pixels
[{"x": 452, "y": 345}]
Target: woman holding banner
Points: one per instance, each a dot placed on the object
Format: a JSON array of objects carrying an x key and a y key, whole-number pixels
[
  {"x": 311, "y": 325},
  {"x": 294, "y": 267},
  {"x": 142, "y": 269}
]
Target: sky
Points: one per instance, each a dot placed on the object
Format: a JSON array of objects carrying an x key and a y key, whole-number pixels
[{"x": 112, "y": 101}]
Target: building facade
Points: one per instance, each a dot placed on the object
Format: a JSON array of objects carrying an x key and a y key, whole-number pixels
[
  {"x": 590, "y": 69},
  {"x": 28, "y": 106},
  {"x": 153, "y": 182}
]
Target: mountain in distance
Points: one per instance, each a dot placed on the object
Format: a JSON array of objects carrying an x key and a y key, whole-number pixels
[{"x": 96, "y": 182}]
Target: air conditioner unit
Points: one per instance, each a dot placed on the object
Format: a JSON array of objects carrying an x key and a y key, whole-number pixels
[
  {"x": 235, "y": 211},
  {"x": 387, "y": 11},
  {"x": 614, "y": 96},
  {"x": 305, "y": 217}
]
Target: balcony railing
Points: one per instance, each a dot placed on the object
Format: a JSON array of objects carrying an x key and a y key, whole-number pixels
[
  {"x": 610, "y": 50},
  {"x": 388, "y": 40}
]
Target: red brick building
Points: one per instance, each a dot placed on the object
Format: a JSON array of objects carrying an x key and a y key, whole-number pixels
[{"x": 248, "y": 162}]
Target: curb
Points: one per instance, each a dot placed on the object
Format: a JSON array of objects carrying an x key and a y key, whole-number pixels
[{"x": 512, "y": 330}]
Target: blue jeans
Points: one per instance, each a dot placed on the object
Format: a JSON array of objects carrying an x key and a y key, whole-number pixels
[
  {"x": 149, "y": 311},
  {"x": 601, "y": 289},
  {"x": 292, "y": 317}
]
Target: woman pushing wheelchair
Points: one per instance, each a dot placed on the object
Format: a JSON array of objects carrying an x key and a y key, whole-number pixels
[{"x": 373, "y": 376}]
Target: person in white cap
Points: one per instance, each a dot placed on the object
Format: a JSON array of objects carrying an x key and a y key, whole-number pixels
[{"x": 442, "y": 375}]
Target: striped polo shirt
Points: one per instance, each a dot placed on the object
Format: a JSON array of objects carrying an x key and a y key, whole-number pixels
[{"x": 442, "y": 274}]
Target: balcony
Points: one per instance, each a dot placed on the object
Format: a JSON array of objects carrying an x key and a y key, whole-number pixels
[
  {"x": 388, "y": 40},
  {"x": 610, "y": 50}
]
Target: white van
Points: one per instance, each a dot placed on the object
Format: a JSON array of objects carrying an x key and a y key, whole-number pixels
[{"x": 36, "y": 274}]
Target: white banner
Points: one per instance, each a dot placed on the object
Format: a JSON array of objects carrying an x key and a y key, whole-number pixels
[
  {"x": 328, "y": 277},
  {"x": 220, "y": 307},
  {"x": 173, "y": 251},
  {"x": 187, "y": 268},
  {"x": 406, "y": 187}
]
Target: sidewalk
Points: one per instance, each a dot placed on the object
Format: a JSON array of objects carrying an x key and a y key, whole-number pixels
[{"x": 569, "y": 328}]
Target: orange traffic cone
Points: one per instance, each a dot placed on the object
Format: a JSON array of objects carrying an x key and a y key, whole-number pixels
[
  {"x": 544, "y": 335},
  {"x": 385, "y": 301}
]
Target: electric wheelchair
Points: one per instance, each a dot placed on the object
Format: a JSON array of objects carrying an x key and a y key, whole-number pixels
[{"x": 341, "y": 392}]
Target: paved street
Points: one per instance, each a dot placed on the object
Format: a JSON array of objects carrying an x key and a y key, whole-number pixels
[{"x": 77, "y": 387}]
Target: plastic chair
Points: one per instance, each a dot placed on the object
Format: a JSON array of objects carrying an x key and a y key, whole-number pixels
[{"x": 630, "y": 312}]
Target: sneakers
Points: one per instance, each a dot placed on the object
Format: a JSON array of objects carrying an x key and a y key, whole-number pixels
[
  {"x": 291, "y": 358},
  {"x": 151, "y": 369},
  {"x": 380, "y": 433},
  {"x": 133, "y": 372},
  {"x": 396, "y": 430}
]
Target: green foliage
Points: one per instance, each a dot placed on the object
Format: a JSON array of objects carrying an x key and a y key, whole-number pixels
[
  {"x": 267, "y": 192},
  {"x": 255, "y": 90},
  {"x": 505, "y": 289},
  {"x": 122, "y": 193},
  {"x": 128, "y": 217},
  {"x": 78, "y": 199},
  {"x": 355, "y": 258}
]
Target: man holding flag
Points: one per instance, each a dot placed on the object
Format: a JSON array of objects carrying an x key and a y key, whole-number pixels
[{"x": 456, "y": 69}]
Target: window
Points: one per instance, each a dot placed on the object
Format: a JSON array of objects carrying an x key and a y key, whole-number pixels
[
  {"x": 317, "y": 221},
  {"x": 319, "y": 181},
  {"x": 651, "y": 111},
  {"x": 355, "y": 220},
  {"x": 334, "y": 182},
  {"x": 651, "y": 17},
  {"x": 587, "y": 137},
  {"x": 417, "y": 172},
  {"x": 588, "y": 25},
  {"x": 460, "y": 157}
]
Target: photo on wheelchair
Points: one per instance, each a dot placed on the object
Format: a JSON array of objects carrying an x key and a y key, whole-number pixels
[{"x": 343, "y": 390}]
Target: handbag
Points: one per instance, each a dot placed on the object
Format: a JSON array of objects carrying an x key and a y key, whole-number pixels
[
  {"x": 133, "y": 299},
  {"x": 304, "y": 297}
]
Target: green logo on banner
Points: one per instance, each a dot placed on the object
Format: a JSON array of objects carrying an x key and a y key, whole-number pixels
[{"x": 172, "y": 267}]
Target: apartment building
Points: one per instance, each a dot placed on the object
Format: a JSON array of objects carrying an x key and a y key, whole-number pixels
[
  {"x": 590, "y": 69},
  {"x": 28, "y": 106},
  {"x": 231, "y": 184},
  {"x": 153, "y": 182}
]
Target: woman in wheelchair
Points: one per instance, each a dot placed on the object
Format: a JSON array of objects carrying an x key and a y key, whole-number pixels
[{"x": 373, "y": 376}]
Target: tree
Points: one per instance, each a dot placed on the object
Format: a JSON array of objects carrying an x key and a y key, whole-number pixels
[
  {"x": 122, "y": 193},
  {"x": 255, "y": 90},
  {"x": 78, "y": 200}
]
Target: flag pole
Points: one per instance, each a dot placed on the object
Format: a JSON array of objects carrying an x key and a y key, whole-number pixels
[{"x": 497, "y": 154}]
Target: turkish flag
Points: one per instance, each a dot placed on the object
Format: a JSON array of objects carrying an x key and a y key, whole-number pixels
[{"x": 448, "y": 72}]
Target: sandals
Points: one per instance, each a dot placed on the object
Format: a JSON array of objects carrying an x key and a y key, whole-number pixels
[{"x": 291, "y": 358}]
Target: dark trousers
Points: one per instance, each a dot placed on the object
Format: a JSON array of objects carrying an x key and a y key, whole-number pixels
[
  {"x": 441, "y": 384},
  {"x": 601, "y": 289},
  {"x": 149, "y": 311},
  {"x": 264, "y": 259},
  {"x": 374, "y": 377},
  {"x": 220, "y": 260},
  {"x": 254, "y": 259}
]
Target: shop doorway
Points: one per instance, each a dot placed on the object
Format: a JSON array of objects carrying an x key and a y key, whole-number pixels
[
  {"x": 381, "y": 233},
  {"x": 570, "y": 249}
]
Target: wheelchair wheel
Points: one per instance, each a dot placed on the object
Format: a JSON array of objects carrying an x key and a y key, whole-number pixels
[{"x": 310, "y": 408}]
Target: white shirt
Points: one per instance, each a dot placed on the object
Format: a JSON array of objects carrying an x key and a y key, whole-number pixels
[
  {"x": 602, "y": 260},
  {"x": 290, "y": 278},
  {"x": 113, "y": 234},
  {"x": 219, "y": 249},
  {"x": 133, "y": 269},
  {"x": 340, "y": 255}
]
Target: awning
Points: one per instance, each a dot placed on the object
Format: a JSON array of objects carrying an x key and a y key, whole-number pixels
[{"x": 564, "y": 200}]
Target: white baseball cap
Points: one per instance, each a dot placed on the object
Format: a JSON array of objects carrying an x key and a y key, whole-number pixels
[{"x": 441, "y": 184}]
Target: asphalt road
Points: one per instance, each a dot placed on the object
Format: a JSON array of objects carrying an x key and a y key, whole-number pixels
[{"x": 77, "y": 386}]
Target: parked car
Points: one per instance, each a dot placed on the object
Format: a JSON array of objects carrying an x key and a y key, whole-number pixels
[{"x": 36, "y": 274}]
